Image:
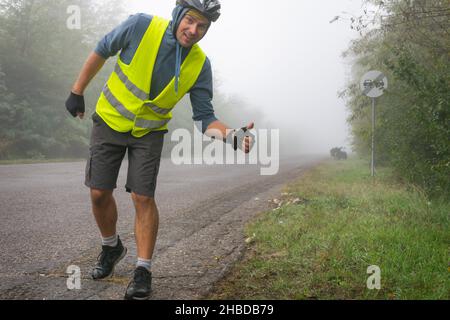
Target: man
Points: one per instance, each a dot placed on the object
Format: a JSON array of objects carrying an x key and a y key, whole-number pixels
[{"x": 159, "y": 63}]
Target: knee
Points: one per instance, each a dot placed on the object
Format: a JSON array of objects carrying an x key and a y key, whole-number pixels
[
  {"x": 100, "y": 197},
  {"x": 143, "y": 201}
]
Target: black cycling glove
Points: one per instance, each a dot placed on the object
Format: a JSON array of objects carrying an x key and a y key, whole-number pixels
[
  {"x": 74, "y": 104},
  {"x": 236, "y": 138}
]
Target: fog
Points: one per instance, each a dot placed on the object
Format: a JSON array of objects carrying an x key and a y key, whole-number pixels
[
  {"x": 276, "y": 63},
  {"x": 283, "y": 58}
]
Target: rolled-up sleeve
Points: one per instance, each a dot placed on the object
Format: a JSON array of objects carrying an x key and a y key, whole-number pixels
[
  {"x": 201, "y": 95},
  {"x": 118, "y": 39}
]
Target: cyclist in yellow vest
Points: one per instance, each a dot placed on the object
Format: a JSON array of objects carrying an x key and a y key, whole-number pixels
[{"x": 160, "y": 61}]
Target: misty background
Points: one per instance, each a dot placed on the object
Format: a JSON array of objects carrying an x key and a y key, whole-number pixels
[
  {"x": 276, "y": 63},
  {"x": 282, "y": 60}
]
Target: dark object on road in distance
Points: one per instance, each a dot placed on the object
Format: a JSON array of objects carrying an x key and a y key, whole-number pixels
[{"x": 338, "y": 153}]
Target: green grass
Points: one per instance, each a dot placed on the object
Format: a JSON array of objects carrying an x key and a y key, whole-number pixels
[{"x": 321, "y": 247}]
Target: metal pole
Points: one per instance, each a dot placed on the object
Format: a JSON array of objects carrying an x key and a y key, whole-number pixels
[{"x": 373, "y": 138}]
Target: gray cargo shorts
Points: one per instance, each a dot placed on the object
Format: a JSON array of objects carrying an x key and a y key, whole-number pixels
[{"x": 107, "y": 150}]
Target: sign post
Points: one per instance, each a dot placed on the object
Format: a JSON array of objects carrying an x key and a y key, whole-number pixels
[{"x": 372, "y": 85}]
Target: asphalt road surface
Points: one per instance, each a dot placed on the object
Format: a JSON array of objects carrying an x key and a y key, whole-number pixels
[{"x": 46, "y": 225}]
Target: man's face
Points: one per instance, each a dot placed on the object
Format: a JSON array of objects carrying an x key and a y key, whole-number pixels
[{"x": 191, "y": 30}]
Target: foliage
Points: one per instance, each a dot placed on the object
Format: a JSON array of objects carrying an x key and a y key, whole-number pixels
[
  {"x": 410, "y": 43},
  {"x": 330, "y": 226},
  {"x": 39, "y": 61}
]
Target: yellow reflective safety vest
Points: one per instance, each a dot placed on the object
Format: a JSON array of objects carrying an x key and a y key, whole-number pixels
[{"x": 125, "y": 104}]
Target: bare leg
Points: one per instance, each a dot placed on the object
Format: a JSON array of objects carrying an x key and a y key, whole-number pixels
[
  {"x": 105, "y": 211},
  {"x": 146, "y": 225}
]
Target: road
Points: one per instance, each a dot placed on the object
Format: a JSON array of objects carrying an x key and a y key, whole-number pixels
[{"x": 46, "y": 225}]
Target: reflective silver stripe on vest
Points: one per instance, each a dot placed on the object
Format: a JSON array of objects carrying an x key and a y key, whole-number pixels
[
  {"x": 150, "y": 124},
  {"x": 116, "y": 104},
  {"x": 130, "y": 85},
  {"x": 141, "y": 123},
  {"x": 138, "y": 92},
  {"x": 158, "y": 109}
]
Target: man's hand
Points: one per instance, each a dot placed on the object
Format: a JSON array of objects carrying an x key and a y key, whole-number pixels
[
  {"x": 75, "y": 105},
  {"x": 249, "y": 140},
  {"x": 242, "y": 138},
  {"x": 75, "y": 102}
]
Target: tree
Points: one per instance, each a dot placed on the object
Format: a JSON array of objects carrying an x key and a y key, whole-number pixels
[
  {"x": 410, "y": 44},
  {"x": 40, "y": 60}
]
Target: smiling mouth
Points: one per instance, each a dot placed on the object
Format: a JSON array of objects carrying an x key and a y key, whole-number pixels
[{"x": 188, "y": 38}]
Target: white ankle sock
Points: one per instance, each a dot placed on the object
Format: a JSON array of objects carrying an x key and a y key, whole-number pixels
[
  {"x": 147, "y": 264},
  {"x": 110, "y": 241}
]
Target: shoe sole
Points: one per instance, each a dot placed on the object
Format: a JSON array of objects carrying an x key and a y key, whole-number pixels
[
  {"x": 124, "y": 253},
  {"x": 138, "y": 298}
]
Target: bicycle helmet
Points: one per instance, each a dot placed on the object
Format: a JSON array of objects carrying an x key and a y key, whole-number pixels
[{"x": 209, "y": 8}]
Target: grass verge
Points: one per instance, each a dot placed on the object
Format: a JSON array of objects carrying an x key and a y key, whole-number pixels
[{"x": 331, "y": 226}]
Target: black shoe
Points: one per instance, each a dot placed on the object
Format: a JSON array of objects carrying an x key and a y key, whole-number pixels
[
  {"x": 140, "y": 286},
  {"x": 107, "y": 260}
]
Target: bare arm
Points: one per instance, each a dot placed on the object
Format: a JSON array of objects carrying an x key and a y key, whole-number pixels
[
  {"x": 90, "y": 68},
  {"x": 217, "y": 129}
]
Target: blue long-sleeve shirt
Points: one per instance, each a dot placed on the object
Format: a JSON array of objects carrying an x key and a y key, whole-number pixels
[{"x": 126, "y": 38}]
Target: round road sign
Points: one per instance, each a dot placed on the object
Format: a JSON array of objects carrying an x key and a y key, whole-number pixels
[{"x": 373, "y": 84}]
